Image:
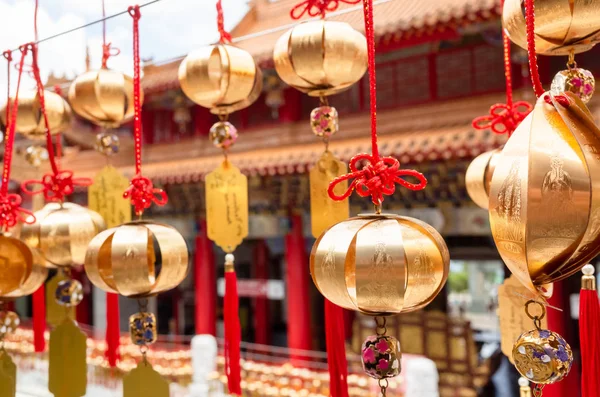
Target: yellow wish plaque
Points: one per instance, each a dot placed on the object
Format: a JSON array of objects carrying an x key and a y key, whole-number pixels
[
  {"x": 55, "y": 313},
  {"x": 512, "y": 296},
  {"x": 67, "y": 367},
  {"x": 227, "y": 206},
  {"x": 8, "y": 375},
  {"x": 144, "y": 381},
  {"x": 325, "y": 212},
  {"x": 105, "y": 197}
]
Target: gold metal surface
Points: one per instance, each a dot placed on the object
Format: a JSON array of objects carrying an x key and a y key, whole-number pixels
[
  {"x": 29, "y": 117},
  {"x": 16, "y": 263},
  {"x": 545, "y": 194},
  {"x": 561, "y": 26},
  {"x": 479, "y": 176},
  {"x": 325, "y": 212},
  {"x": 123, "y": 260},
  {"x": 62, "y": 232},
  {"x": 67, "y": 365},
  {"x": 227, "y": 206},
  {"x": 105, "y": 197},
  {"x": 380, "y": 264},
  {"x": 104, "y": 97},
  {"x": 35, "y": 279},
  {"x": 8, "y": 375},
  {"x": 221, "y": 77},
  {"x": 321, "y": 58},
  {"x": 143, "y": 381}
]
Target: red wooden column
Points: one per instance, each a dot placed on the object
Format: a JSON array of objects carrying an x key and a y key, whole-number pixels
[
  {"x": 297, "y": 275},
  {"x": 262, "y": 334},
  {"x": 206, "y": 284}
]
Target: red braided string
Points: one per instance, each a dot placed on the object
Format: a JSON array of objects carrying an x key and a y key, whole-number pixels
[
  {"x": 315, "y": 8},
  {"x": 107, "y": 50},
  {"x": 531, "y": 53},
  {"x": 379, "y": 176},
  {"x": 225, "y": 37},
  {"x": 140, "y": 192}
]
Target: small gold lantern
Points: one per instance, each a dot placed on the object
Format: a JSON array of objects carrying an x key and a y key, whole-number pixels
[
  {"x": 30, "y": 121},
  {"x": 561, "y": 26},
  {"x": 221, "y": 77},
  {"x": 380, "y": 264},
  {"x": 321, "y": 58},
  {"x": 104, "y": 97},
  {"x": 16, "y": 264},
  {"x": 137, "y": 259},
  {"x": 62, "y": 232},
  {"x": 544, "y": 201},
  {"x": 479, "y": 177}
]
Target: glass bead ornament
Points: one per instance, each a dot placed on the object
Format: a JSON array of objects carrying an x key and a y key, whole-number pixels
[
  {"x": 381, "y": 356},
  {"x": 324, "y": 121},
  {"x": 103, "y": 97},
  {"x": 30, "y": 121},
  {"x": 36, "y": 155},
  {"x": 223, "y": 134},
  {"x": 9, "y": 322},
  {"x": 577, "y": 81},
  {"x": 107, "y": 143},
  {"x": 479, "y": 177},
  {"x": 142, "y": 328},
  {"x": 69, "y": 293}
]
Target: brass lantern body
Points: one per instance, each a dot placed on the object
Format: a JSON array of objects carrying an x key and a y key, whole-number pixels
[
  {"x": 321, "y": 58},
  {"x": 137, "y": 259},
  {"x": 479, "y": 177},
  {"x": 62, "y": 232},
  {"x": 16, "y": 263},
  {"x": 561, "y": 26},
  {"x": 30, "y": 121},
  {"x": 221, "y": 78},
  {"x": 35, "y": 279},
  {"x": 545, "y": 194},
  {"x": 380, "y": 264},
  {"x": 104, "y": 97}
]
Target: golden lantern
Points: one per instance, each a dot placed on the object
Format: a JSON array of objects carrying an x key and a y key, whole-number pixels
[
  {"x": 321, "y": 58},
  {"x": 544, "y": 201},
  {"x": 221, "y": 77},
  {"x": 36, "y": 277},
  {"x": 561, "y": 26},
  {"x": 380, "y": 264},
  {"x": 30, "y": 121},
  {"x": 104, "y": 97},
  {"x": 127, "y": 259},
  {"x": 479, "y": 176},
  {"x": 16, "y": 264},
  {"x": 62, "y": 232}
]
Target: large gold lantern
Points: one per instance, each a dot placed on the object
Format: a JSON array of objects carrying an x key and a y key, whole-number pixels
[
  {"x": 127, "y": 259},
  {"x": 62, "y": 232},
  {"x": 104, "y": 97},
  {"x": 561, "y": 26},
  {"x": 544, "y": 200},
  {"x": 16, "y": 263},
  {"x": 321, "y": 58},
  {"x": 30, "y": 121},
  {"x": 479, "y": 177},
  {"x": 221, "y": 77},
  {"x": 34, "y": 279}
]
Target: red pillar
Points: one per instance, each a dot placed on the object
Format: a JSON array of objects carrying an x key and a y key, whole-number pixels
[
  {"x": 261, "y": 304},
  {"x": 560, "y": 322},
  {"x": 206, "y": 284},
  {"x": 298, "y": 327},
  {"x": 82, "y": 310},
  {"x": 291, "y": 110},
  {"x": 39, "y": 318}
]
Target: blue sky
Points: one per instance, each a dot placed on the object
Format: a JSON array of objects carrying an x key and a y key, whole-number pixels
[{"x": 168, "y": 29}]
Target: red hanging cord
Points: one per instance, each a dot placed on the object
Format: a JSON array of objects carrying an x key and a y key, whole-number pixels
[
  {"x": 531, "y": 53},
  {"x": 380, "y": 175},
  {"x": 225, "y": 37},
  {"x": 141, "y": 191},
  {"x": 107, "y": 50},
  {"x": 589, "y": 327},
  {"x": 314, "y": 8}
]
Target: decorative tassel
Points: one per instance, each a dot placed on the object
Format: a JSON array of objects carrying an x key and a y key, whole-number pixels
[
  {"x": 336, "y": 349},
  {"x": 232, "y": 328},
  {"x": 113, "y": 334},
  {"x": 39, "y": 319},
  {"x": 589, "y": 329}
]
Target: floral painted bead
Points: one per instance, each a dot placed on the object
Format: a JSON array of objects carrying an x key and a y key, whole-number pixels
[
  {"x": 142, "y": 328},
  {"x": 542, "y": 356},
  {"x": 9, "y": 322},
  {"x": 223, "y": 134},
  {"x": 69, "y": 293},
  {"x": 324, "y": 121},
  {"x": 578, "y": 81},
  {"x": 381, "y": 356},
  {"x": 107, "y": 143}
]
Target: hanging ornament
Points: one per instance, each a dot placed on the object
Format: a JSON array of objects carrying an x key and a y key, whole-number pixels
[
  {"x": 589, "y": 327},
  {"x": 379, "y": 264},
  {"x": 139, "y": 259}
]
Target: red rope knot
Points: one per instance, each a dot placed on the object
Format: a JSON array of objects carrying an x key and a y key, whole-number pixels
[
  {"x": 11, "y": 211},
  {"x": 377, "y": 178},
  {"x": 8, "y": 55},
  {"x": 55, "y": 186},
  {"x": 142, "y": 194},
  {"x": 317, "y": 7},
  {"x": 562, "y": 100},
  {"x": 109, "y": 51},
  {"x": 134, "y": 11},
  {"x": 503, "y": 118},
  {"x": 225, "y": 37}
]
